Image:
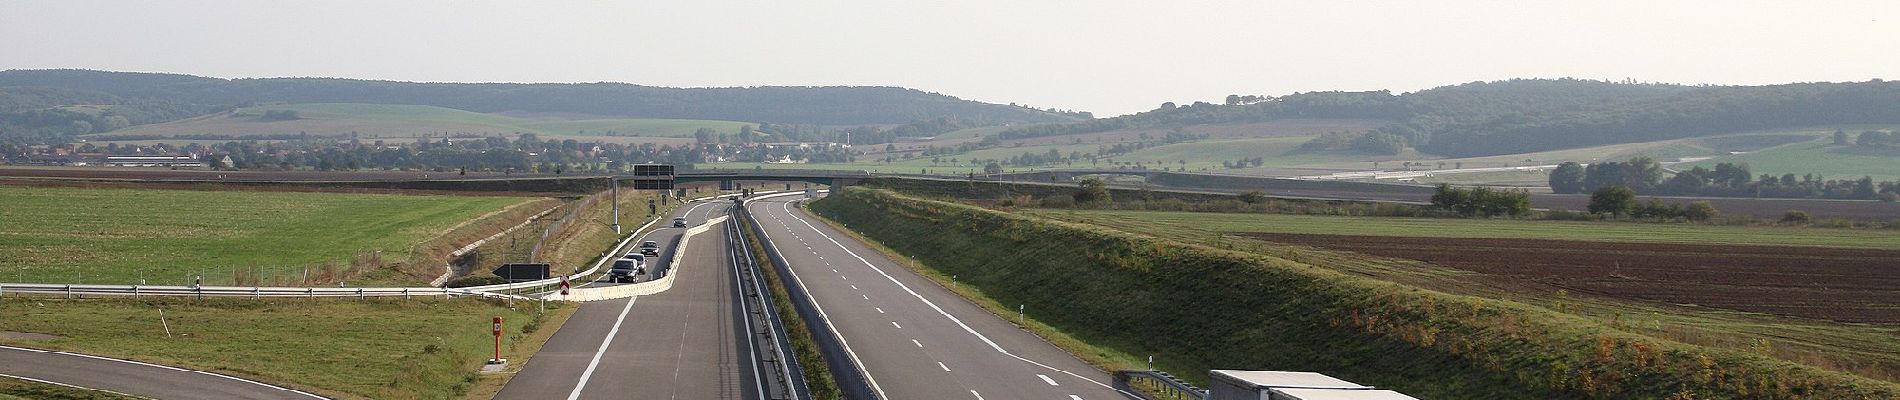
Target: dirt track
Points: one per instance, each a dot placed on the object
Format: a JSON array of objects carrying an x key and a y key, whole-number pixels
[{"x": 1848, "y": 285}]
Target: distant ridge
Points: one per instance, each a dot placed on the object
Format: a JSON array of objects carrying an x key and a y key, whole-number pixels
[{"x": 826, "y": 105}]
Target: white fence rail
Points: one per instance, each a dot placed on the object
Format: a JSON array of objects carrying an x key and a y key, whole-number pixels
[{"x": 237, "y": 291}]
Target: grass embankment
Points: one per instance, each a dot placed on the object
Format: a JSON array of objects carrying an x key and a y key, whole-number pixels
[
  {"x": 1198, "y": 308},
  {"x": 585, "y": 232},
  {"x": 15, "y": 389},
  {"x": 120, "y": 236},
  {"x": 811, "y": 361},
  {"x": 384, "y": 349}
]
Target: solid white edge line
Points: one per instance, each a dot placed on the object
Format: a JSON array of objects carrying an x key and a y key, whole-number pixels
[
  {"x": 834, "y": 332},
  {"x": 959, "y": 322},
  {"x": 589, "y": 373},
  {"x": 23, "y": 349},
  {"x": 168, "y": 367},
  {"x": 73, "y": 386}
]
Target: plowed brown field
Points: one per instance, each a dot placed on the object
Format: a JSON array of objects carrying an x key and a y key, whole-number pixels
[{"x": 1848, "y": 285}]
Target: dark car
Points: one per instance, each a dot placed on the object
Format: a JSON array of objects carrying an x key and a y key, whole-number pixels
[
  {"x": 679, "y": 222},
  {"x": 624, "y": 270},
  {"x": 650, "y": 248}
]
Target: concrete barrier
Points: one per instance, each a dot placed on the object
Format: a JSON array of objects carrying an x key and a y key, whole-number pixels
[{"x": 643, "y": 288}]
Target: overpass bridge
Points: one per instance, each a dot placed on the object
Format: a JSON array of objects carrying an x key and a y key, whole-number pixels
[{"x": 727, "y": 177}]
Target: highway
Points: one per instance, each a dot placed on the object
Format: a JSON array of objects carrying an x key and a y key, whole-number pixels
[
  {"x": 684, "y": 343},
  {"x": 915, "y": 339},
  {"x": 134, "y": 378}
]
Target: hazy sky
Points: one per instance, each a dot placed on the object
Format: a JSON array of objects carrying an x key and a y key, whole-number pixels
[{"x": 1110, "y": 57}]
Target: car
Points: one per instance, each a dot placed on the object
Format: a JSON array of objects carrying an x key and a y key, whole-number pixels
[
  {"x": 625, "y": 270},
  {"x": 650, "y": 248},
  {"x": 679, "y": 222}
]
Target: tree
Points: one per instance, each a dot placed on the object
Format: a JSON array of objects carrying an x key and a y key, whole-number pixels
[
  {"x": 1092, "y": 191},
  {"x": 703, "y": 135},
  {"x": 1644, "y": 172},
  {"x": 1613, "y": 200},
  {"x": 1840, "y": 137},
  {"x": 993, "y": 168},
  {"x": 1567, "y": 178}
]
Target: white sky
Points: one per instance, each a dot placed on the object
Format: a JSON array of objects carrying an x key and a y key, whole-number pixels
[{"x": 1110, "y": 57}]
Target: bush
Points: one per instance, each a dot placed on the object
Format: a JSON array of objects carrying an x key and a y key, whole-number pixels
[
  {"x": 1701, "y": 211},
  {"x": 1796, "y": 217},
  {"x": 1890, "y": 197},
  {"x": 1613, "y": 200},
  {"x": 1058, "y": 201}
]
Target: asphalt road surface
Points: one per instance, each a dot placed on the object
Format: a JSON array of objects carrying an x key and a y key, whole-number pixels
[
  {"x": 914, "y": 338},
  {"x": 135, "y": 378},
  {"x": 684, "y": 343}
]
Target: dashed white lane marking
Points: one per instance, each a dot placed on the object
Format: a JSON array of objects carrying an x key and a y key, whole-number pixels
[
  {"x": 589, "y": 373},
  {"x": 1075, "y": 397},
  {"x": 845, "y": 277},
  {"x": 834, "y": 270},
  {"x": 854, "y": 287},
  {"x": 979, "y": 396},
  {"x": 894, "y": 323},
  {"x": 787, "y": 207},
  {"x": 867, "y": 297},
  {"x": 915, "y": 342},
  {"x": 880, "y": 310},
  {"x": 946, "y": 368},
  {"x": 1045, "y": 378}
]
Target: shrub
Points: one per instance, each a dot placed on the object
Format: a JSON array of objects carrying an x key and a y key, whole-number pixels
[
  {"x": 1796, "y": 217},
  {"x": 1058, "y": 201},
  {"x": 1613, "y": 200},
  {"x": 1890, "y": 197},
  {"x": 1701, "y": 211}
]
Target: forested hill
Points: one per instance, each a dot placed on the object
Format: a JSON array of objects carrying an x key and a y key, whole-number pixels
[
  {"x": 778, "y": 104},
  {"x": 1519, "y": 116}
]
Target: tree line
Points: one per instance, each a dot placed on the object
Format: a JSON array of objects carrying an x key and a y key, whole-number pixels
[
  {"x": 1529, "y": 115},
  {"x": 1643, "y": 175}
]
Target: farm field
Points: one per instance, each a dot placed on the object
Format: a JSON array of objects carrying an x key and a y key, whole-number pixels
[
  {"x": 339, "y": 348},
  {"x": 1846, "y": 285},
  {"x": 395, "y": 121},
  {"x": 1818, "y": 156},
  {"x": 1192, "y": 225},
  {"x": 1721, "y": 286},
  {"x": 121, "y": 236}
]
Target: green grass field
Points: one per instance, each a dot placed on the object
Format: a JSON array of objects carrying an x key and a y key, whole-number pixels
[
  {"x": 369, "y": 349},
  {"x": 119, "y": 236},
  {"x": 1191, "y": 225},
  {"x": 398, "y": 120},
  {"x": 1819, "y": 157}
]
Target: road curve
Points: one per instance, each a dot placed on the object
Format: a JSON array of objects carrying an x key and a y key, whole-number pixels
[
  {"x": 135, "y": 378},
  {"x": 915, "y": 339},
  {"x": 684, "y": 343}
]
